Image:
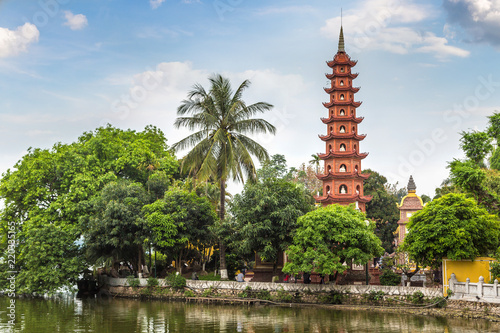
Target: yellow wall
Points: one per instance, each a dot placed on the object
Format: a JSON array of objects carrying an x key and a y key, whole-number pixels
[{"x": 464, "y": 269}]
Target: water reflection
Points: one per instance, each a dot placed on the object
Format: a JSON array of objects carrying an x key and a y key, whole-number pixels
[{"x": 124, "y": 316}]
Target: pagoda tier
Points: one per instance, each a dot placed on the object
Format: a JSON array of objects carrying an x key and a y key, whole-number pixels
[
  {"x": 342, "y": 136},
  {"x": 332, "y": 154},
  {"x": 341, "y": 61},
  {"x": 339, "y": 74},
  {"x": 341, "y": 88},
  {"x": 343, "y": 198},
  {"x": 343, "y": 175},
  {"x": 342, "y": 103},
  {"x": 342, "y": 118}
]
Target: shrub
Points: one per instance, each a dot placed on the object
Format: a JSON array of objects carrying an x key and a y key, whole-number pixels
[
  {"x": 417, "y": 297},
  {"x": 133, "y": 282},
  {"x": 246, "y": 293},
  {"x": 209, "y": 292},
  {"x": 374, "y": 296},
  {"x": 389, "y": 278},
  {"x": 264, "y": 294},
  {"x": 189, "y": 293},
  {"x": 334, "y": 297},
  {"x": 440, "y": 302},
  {"x": 176, "y": 281},
  {"x": 153, "y": 282}
]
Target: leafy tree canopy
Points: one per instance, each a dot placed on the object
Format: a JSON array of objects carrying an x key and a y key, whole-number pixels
[
  {"x": 453, "y": 227},
  {"x": 330, "y": 236},
  {"x": 54, "y": 187},
  {"x": 265, "y": 216}
]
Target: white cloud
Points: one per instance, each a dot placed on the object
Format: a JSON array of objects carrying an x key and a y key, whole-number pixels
[
  {"x": 285, "y": 10},
  {"x": 75, "y": 22},
  {"x": 13, "y": 42},
  {"x": 480, "y": 18},
  {"x": 156, "y": 3},
  {"x": 382, "y": 24}
]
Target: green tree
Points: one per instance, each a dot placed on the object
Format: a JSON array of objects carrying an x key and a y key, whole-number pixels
[
  {"x": 265, "y": 215},
  {"x": 476, "y": 146},
  {"x": 452, "y": 227},
  {"x": 275, "y": 168},
  {"x": 382, "y": 208},
  {"x": 221, "y": 148},
  {"x": 330, "y": 236},
  {"x": 55, "y": 187},
  {"x": 180, "y": 219},
  {"x": 316, "y": 161},
  {"x": 115, "y": 229},
  {"x": 306, "y": 176}
]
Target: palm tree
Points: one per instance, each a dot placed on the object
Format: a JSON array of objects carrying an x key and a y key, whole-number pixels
[
  {"x": 221, "y": 150},
  {"x": 315, "y": 161}
]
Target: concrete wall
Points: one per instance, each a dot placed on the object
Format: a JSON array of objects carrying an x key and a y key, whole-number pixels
[{"x": 292, "y": 287}]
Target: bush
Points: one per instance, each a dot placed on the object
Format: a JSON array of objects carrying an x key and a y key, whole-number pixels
[
  {"x": 209, "y": 292},
  {"x": 374, "y": 296},
  {"x": 246, "y": 293},
  {"x": 440, "y": 302},
  {"x": 153, "y": 282},
  {"x": 417, "y": 297},
  {"x": 133, "y": 282},
  {"x": 189, "y": 293},
  {"x": 264, "y": 294},
  {"x": 176, "y": 281},
  {"x": 389, "y": 278},
  {"x": 334, "y": 297}
]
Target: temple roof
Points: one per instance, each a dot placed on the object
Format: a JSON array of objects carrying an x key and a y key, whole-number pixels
[
  {"x": 411, "y": 185},
  {"x": 342, "y": 175},
  {"x": 345, "y": 102},
  {"x": 342, "y": 136},
  {"x": 329, "y": 90},
  {"x": 342, "y": 154},
  {"x": 341, "y": 40},
  {"x": 343, "y": 198},
  {"x": 342, "y": 118},
  {"x": 334, "y": 75}
]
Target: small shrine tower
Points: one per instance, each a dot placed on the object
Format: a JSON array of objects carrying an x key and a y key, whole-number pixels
[
  {"x": 410, "y": 204},
  {"x": 342, "y": 178}
]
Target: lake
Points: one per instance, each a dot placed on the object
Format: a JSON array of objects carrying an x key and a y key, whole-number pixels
[{"x": 127, "y": 315}]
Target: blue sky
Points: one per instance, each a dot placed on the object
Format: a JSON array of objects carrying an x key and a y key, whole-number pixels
[{"x": 428, "y": 70}]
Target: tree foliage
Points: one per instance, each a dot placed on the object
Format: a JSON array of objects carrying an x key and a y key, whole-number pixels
[
  {"x": 55, "y": 187},
  {"x": 221, "y": 149},
  {"x": 382, "y": 208},
  {"x": 115, "y": 228},
  {"x": 453, "y": 227},
  {"x": 330, "y": 236},
  {"x": 265, "y": 216}
]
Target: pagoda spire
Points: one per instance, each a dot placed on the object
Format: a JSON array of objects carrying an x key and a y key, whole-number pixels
[{"x": 341, "y": 40}]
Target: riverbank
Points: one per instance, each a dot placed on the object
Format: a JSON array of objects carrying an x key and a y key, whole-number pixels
[{"x": 409, "y": 300}]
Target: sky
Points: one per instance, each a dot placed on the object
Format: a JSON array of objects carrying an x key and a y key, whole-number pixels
[{"x": 428, "y": 70}]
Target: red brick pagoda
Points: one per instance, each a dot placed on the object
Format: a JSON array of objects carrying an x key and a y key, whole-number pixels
[{"x": 342, "y": 178}]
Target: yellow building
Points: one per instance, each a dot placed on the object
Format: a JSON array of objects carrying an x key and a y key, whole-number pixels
[{"x": 410, "y": 204}]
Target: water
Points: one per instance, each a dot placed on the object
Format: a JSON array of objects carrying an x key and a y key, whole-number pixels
[{"x": 127, "y": 316}]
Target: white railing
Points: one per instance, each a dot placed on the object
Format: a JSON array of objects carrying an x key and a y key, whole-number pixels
[{"x": 488, "y": 292}]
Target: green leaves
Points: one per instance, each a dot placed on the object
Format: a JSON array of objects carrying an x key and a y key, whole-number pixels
[
  {"x": 453, "y": 227},
  {"x": 330, "y": 236}
]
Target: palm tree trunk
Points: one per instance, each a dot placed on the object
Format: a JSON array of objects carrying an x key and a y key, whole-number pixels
[{"x": 222, "y": 246}]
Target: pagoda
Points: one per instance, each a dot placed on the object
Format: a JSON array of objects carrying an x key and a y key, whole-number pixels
[{"x": 342, "y": 178}]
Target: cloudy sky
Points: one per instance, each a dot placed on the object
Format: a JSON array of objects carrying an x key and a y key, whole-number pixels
[{"x": 428, "y": 70}]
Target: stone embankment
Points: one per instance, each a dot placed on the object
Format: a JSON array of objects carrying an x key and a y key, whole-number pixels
[{"x": 397, "y": 299}]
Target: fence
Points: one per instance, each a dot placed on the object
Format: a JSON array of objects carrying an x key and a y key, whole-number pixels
[{"x": 480, "y": 291}]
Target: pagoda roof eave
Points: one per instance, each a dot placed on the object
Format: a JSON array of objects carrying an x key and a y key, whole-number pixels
[
  {"x": 349, "y": 102},
  {"x": 347, "y": 61},
  {"x": 343, "y": 88},
  {"x": 342, "y": 154},
  {"x": 342, "y": 175},
  {"x": 334, "y": 75},
  {"x": 342, "y": 136},
  {"x": 343, "y": 198},
  {"x": 342, "y": 118}
]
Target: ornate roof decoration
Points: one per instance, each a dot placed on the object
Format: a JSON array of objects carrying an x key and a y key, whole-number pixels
[{"x": 411, "y": 185}]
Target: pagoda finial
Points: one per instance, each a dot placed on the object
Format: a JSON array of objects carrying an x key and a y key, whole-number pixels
[
  {"x": 341, "y": 36},
  {"x": 412, "y": 188}
]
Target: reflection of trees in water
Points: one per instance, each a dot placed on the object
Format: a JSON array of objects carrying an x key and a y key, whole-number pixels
[{"x": 126, "y": 315}]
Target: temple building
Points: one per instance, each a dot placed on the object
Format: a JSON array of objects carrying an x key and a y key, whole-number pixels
[
  {"x": 342, "y": 178},
  {"x": 410, "y": 204}
]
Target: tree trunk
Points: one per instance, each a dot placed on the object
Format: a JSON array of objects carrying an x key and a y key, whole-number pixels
[
  {"x": 139, "y": 261},
  {"x": 222, "y": 246}
]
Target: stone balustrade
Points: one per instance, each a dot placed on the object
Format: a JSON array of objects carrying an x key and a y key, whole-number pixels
[
  {"x": 480, "y": 291},
  {"x": 291, "y": 287}
]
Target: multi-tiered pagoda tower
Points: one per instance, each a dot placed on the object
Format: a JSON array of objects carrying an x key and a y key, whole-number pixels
[{"x": 342, "y": 178}]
